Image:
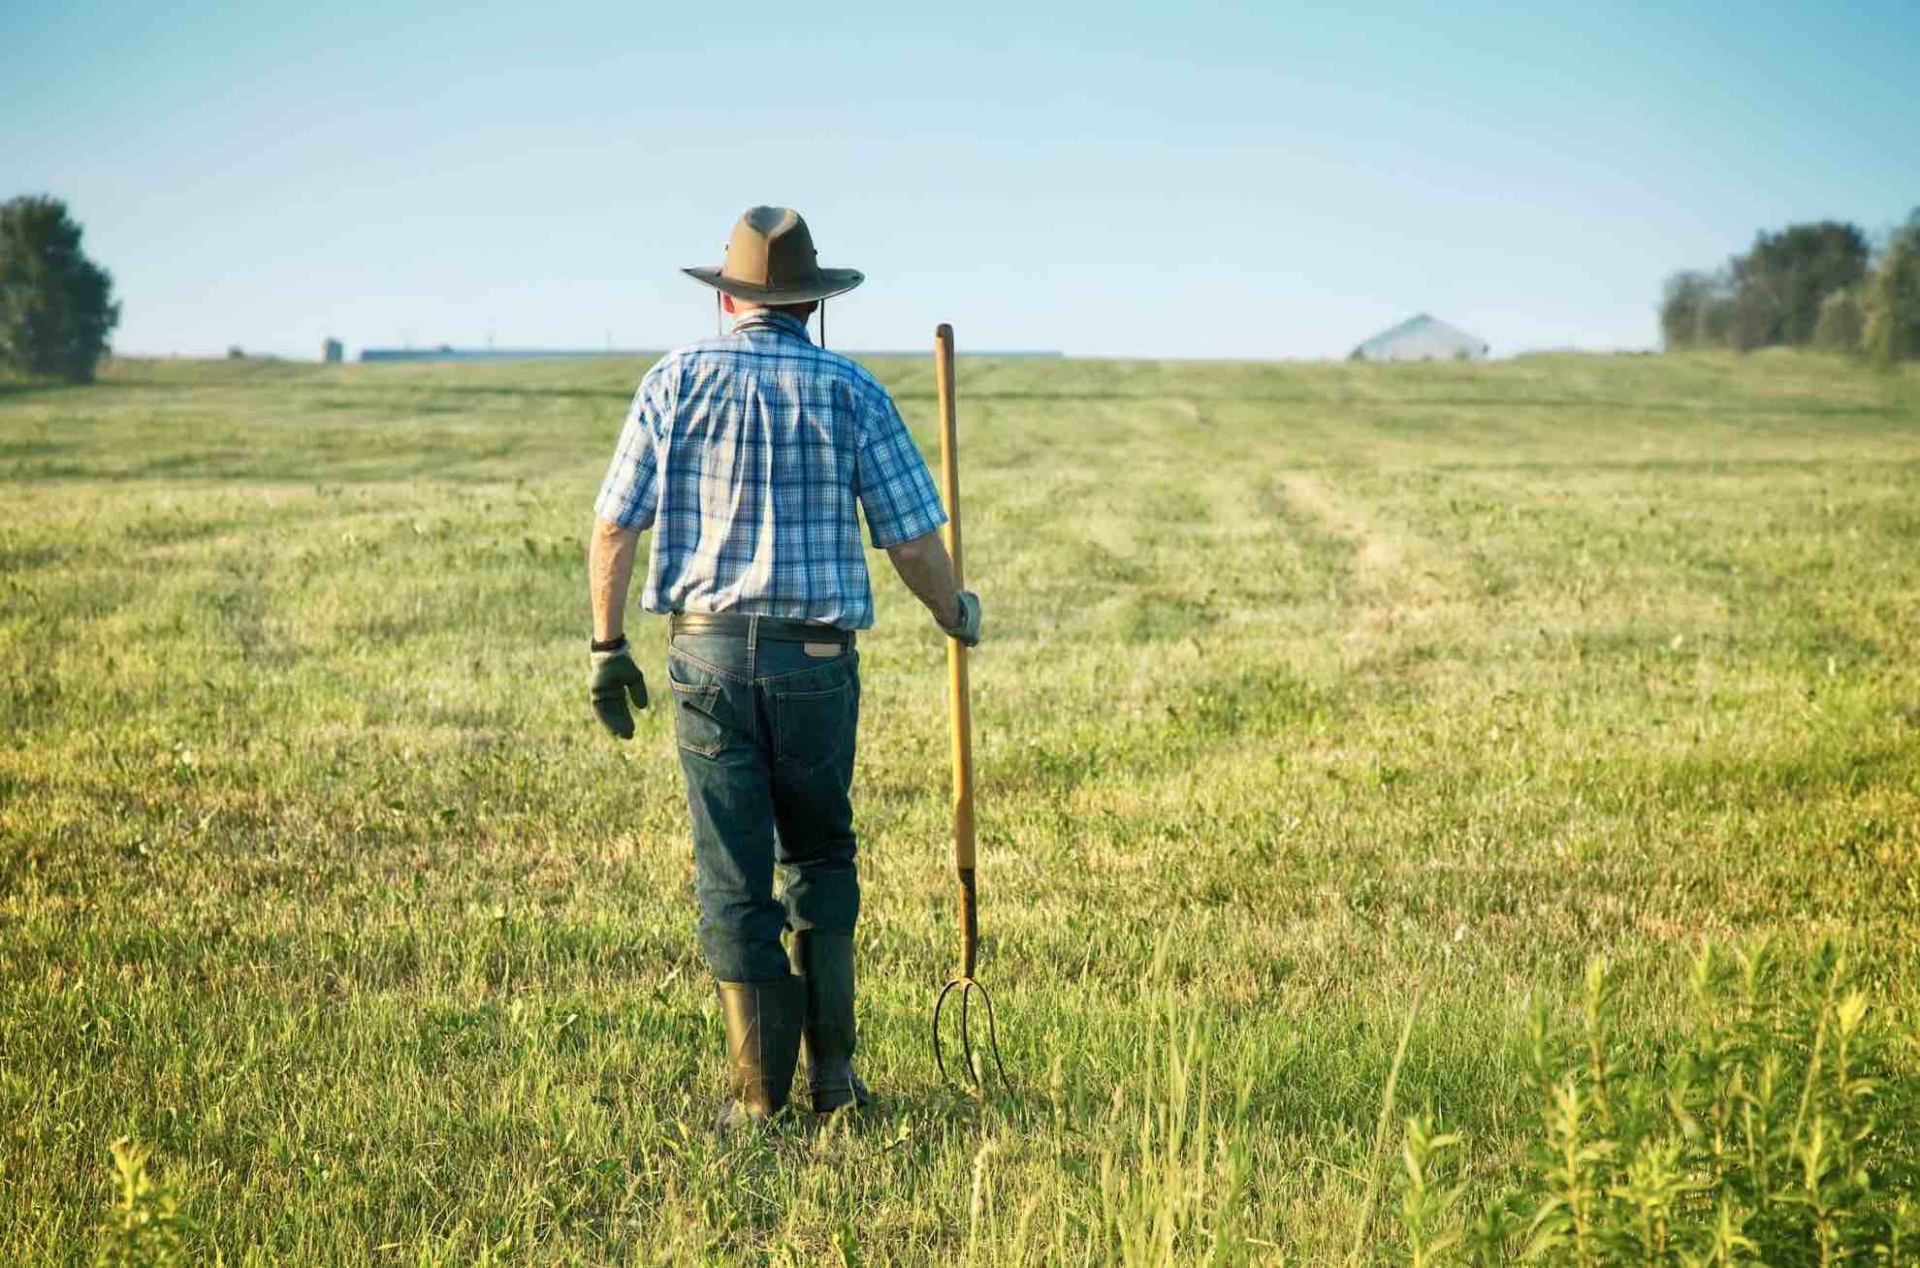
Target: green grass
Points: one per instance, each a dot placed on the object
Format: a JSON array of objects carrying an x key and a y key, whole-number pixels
[{"x": 1307, "y": 691}]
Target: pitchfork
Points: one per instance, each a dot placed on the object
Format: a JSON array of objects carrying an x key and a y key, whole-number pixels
[{"x": 963, "y": 849}]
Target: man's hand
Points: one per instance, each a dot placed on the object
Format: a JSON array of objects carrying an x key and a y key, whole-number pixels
[
  {"x": 923, "y": 564},
  {"x": 966, "y": 626},
  {"x": 615, "y": 677}
]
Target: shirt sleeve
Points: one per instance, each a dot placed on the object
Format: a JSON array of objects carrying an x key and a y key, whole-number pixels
[
  {"x": 630, "y": 494},
  {"x": 896, "y": 490}
]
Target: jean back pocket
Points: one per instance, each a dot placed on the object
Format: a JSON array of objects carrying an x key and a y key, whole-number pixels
[
  {"x": 702, "y": 719},
  {"x": 815, "y": 717}
]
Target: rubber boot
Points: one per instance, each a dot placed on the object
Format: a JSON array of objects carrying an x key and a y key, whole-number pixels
[
  {"x": 825, "y": 962},
  {"x": 763, "y": 1045}
]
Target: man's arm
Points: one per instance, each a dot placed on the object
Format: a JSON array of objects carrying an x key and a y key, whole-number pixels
[
  {"x": 615, "y": 679},
  {"x": 610, "y": 555},
  {"x": 923, "y": 564}
]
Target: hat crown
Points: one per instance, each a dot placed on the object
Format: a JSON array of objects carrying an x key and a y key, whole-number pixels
[
  {"x": 770, "y": 260},
  {"x": 771, "y": 247}
]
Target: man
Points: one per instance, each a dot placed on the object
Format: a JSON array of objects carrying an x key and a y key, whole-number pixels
[{"x": 747, "y": 454}]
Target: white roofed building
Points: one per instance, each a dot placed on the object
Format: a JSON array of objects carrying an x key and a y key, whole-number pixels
[{"x": 1422, "y": 338}]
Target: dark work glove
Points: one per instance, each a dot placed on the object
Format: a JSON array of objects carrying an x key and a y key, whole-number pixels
[
  {"x": 615, "y": 677},
  {"x": 967, "y": 628}
]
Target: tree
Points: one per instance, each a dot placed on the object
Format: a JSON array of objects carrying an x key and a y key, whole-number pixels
[
  {"x": 1681, "y": 300},
  {"x": 1696, "y": 311},
  {"x": 1780, "y": 284},
  {"x": 1842, "y": 320},
  {"x": 56, "y": 305},
  {"x": 1893, "y": 299}
]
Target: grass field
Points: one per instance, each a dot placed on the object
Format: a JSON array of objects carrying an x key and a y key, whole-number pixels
[{"x": 1309, "y": 692}]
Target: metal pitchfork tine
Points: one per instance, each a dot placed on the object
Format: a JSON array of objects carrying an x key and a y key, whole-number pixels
[{"x": 963, "y": 844}]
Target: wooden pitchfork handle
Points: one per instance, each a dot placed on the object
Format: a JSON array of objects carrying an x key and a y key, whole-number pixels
[
  {"x": 964, "y": 985},
  {"x": 962, "y": 714}
]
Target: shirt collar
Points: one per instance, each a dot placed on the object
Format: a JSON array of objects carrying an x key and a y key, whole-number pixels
[{"x": 780, "y": 323}]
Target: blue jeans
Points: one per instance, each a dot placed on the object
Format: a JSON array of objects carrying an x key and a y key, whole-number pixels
[{"x": 766, "y": 738}]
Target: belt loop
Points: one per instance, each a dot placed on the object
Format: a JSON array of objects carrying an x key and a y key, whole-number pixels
[{"x": 753, "y": 645}]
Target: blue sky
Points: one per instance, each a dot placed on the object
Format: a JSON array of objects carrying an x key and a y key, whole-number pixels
[{"x": 1195, "y": 180}]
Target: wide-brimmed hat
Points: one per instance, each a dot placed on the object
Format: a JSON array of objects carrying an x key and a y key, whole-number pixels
[{"x": 770, "y": 260}]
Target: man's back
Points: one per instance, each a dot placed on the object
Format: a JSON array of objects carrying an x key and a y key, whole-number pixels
[{"x": 748, "y": 454}]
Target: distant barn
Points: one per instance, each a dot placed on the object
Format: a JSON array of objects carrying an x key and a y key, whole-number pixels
[{"x": 1422, "y": 338}]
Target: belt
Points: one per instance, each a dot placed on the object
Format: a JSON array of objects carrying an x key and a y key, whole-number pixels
[{"x": 765, "y": 629}]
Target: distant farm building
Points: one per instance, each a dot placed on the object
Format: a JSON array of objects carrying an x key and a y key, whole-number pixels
[
  {"x": 1422, "y": 338},
  {"x": 333, "y": 352}
]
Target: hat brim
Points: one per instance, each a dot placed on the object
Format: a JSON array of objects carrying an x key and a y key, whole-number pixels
[{"x": 828, "y": 283}]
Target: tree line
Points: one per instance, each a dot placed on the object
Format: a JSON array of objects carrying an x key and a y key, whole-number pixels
[{"x": 1819, "y": 285}]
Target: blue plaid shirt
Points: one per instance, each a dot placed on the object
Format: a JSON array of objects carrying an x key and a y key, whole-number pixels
[{"x": 748, "y": 453}]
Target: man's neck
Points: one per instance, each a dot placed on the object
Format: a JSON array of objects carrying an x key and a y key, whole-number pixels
[
  {"x": 742, "y": 316},
  {"x": 799, "y": 312}
]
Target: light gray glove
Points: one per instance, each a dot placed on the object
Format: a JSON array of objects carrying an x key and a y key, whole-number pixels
[{"x": 967, "y": 628}]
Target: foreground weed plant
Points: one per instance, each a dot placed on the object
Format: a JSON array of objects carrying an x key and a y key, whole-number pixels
[
  {"x": 146, "y": 1228},
  {"x": 1780, "y": 1131}
]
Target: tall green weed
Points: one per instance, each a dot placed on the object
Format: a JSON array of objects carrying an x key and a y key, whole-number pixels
[
  {"x": 146, "y": 1228},
  {"x": 1781, "y": 1129}
]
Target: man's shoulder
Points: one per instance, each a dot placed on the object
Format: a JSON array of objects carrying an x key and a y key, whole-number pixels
[
  {"x": 711, "y": 344},
  {"x": 855, "y": 371},
  {"x": 665, "y": 369},
  {"x": 734, "y": 353},
  {"x": 861, "y": 383},
  {"x": 672, "y": 359}
]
